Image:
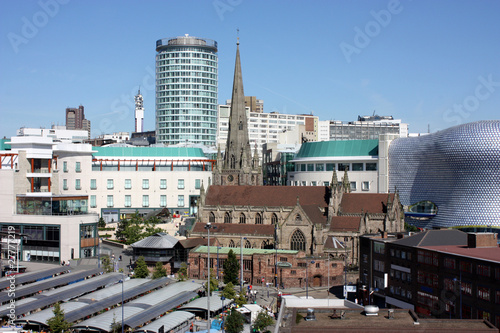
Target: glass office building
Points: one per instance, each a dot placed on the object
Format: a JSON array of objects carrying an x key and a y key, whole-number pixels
[
  {"x": 450, "y": 178},
  {"x": 186, "y": 90}
]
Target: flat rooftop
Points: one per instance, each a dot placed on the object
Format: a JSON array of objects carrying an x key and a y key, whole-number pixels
[{"x": 357, "y": 321}]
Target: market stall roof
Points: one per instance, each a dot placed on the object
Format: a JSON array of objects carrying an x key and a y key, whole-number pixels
[
  {"x": 33, "y": 276},
  {"x": 169, "y": 322}
]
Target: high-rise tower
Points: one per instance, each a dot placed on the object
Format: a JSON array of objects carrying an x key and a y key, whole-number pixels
[
  {"x": 238, "y": 166},
  {"x": 139, "y": 112},
  {"x": 186, "y": 90}
]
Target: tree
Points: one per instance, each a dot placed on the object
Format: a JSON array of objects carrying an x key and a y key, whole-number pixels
[
  {"x": 214, "y": 284},
  {"x": 231, "y": 268},
  {"x": 159, "y": 271},
  {"x": 58, "y": 324},
  {"x": 182, "y": 275},
  {"x": 101, "y": 223},
  {"x": 228, "y": 292},
  {"x": 262, "y": 321},
  {"x": 116, "y": 327},
  {"x": 241, "y": 299},
  {"x": 141, "y": 269},
  {"x": 234, "y": 322},
  {"x": 107, "y": 264}
]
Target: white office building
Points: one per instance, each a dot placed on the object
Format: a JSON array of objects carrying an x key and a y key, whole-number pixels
[{"x": 186, "y": 90}]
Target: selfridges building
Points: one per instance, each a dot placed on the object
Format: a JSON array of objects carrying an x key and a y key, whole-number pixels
[{"x": 450, "y": 178}]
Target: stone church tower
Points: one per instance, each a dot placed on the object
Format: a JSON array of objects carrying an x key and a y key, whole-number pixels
[{"x": 237, "y": 167}]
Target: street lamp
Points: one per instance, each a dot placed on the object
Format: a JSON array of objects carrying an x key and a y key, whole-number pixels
[
  {"x": 218, "y": 248},
  {"x": 208, "y": 226},
  {"x": 276, "y": 255},
  {"x": 307, "y": 279},
  {"x": 328, "y": 282},
  {"x": 345, "y": 269},
  {"x": 241, "y": 263},
  {"x": 123, "y": 282},
  {"x": 223, "y": 319}
]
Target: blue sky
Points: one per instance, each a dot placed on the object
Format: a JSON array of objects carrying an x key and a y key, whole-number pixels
[{"x": 430, "y": 63}]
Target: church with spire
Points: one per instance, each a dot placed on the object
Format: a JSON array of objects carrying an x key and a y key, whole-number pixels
[
  {"x": 238, "y": 166},
  {"x": 313, "y": 220}
]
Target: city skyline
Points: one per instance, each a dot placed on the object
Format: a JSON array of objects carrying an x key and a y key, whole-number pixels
[{"x": 429, "y": 64}]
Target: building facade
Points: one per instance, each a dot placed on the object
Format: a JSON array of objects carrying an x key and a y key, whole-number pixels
[
  {"x": 186, "y": 90},
  {"x": 75, "y": 120},
  {"x": 437, "y": 273},
  {"x": 450, "y": 178},
  {"x": 367, "y": 128}
]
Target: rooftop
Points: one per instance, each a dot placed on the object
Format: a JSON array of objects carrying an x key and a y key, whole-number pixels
[
  {"x": 338, "y": 148},
  {"x": 485, "y": 253},
  {"x": 156, "y": 152}
]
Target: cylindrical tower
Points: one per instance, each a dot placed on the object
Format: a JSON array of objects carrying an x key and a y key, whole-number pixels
[{"x": 186, "y": 90}]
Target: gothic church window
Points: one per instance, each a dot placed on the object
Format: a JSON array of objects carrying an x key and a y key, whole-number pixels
[
  {"x": 274, "y": 219},
  {"x": 258, "y": 218},
  {"x": 227, "y": 218},
  {"x": 248, "y": 245},
  {"x": 211, "y": 218},
  {"x": 298, "y": 217},
  {"x": 232, "y": 162},
  {"x": 298, "y": 241},
  {"x": 243, "y": 218},
  {"x": 231, "y": 243}
]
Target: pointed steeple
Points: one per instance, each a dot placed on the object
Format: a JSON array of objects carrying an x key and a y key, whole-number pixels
[
  {"x": 346, "y": 184},
  {"x": 335, "y": 181}
]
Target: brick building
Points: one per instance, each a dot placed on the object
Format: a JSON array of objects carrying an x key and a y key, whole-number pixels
[
  {"x": 437, "y": 273},
  {"x": 260, "y": 265}
]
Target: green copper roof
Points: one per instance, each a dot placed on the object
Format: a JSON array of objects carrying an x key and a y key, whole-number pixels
[
  {"x": 170, "y": 152},
  {"x": 225, "y": 250},
  {"x": 338, "y": 148},
  {"x": 3, "y": 145}
]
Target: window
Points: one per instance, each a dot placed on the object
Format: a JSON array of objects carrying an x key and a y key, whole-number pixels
[
  {"x": 93, "y": 184},
  {"x": 65, "y": 166},
  {"x": 110, "y": 184},
  {"x": 211, "y": 217},
  {"x": 163, "y": 184},
  {"x": 302, "y": 167},
  {"x": 483, "y": 293},
  {"x": 145, "y": 184},
  {"x": 310, "y": 167},
  {"x": 243, "y": 218},
  {"x": 128, "y": 184},
  {"x": 298, "y": 241},
  {"x": 466, "y": 266},
  {"x": 357, "y": 167},
  {"x": 110, "y": 201},
  {"x": 180, "y": 184},
  {"x": 247, "y": 244},
  {"x": 483, "y": 270},
  {"x": 65, "y": 184},
  {"x": 93, "y": 203},
  {"x": 180, "y": 201},
  {"x": 78, "y": 167},
  {"x": 78, "y": 185},
  {"x": 145, "y": 201},
  {"x": 353, "y": 186},
  {"x": 449, "y": 263},
  {"x": 314, "y": 183},
  {"x": 128, "y": 200},
  {"x": 330, "y": 166},
  {"x": 258, "y": 218},
  {"x": 274, "y": 219},
  {"x": 163, "y": 200},
  {"x": 365, "y": 186},
  {"x": 343, "y": 166},
  {"x": 320, "y": 167},
  {"x": 197, "y": 184},
  {"x": 227, "y": 218},
  {"x": 371, "y": 166}
]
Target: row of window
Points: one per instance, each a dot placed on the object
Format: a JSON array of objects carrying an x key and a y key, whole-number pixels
[
  {"x": 331, "y": 166},
  {"x": 128, "y": 201},
  {"x": 78, "y": 166},
  {"x": 365, "y": 186},
  {"x": 128, "y": 184},
  {"x": 242, "y": 218}
]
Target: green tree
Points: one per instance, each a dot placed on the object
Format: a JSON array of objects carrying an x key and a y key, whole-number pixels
[
  {"x": 116, "y": 327},
  {"x": 409, "y": 227},
  {"x": 241, "y": 299},
  {"x": 214, "y": 284},
  {"x": 262, "y": 321},
  {"x": 101, "y": 223},
  {"x": 228, "y": 292},
  {"x": 231, "y": 268},
  {"x": 182, "y": 275},
  {"x": 234, "y": 322},
  {"x": 58, "y": 324},
  {"x": 107, "y": 264},
  {"x": 141, "y": 269},
  {"x": 159, "y": 271}
]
